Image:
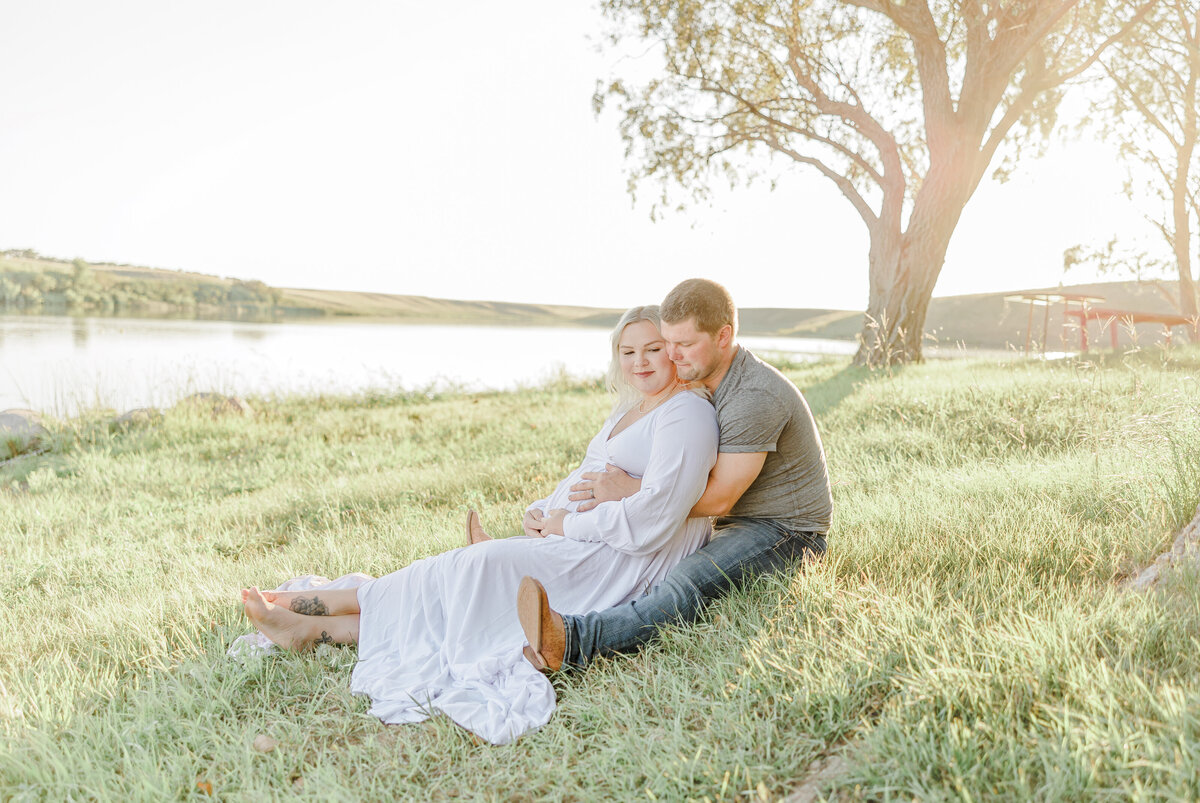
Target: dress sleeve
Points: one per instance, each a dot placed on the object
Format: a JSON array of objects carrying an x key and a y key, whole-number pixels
[{"x": 682, "y": 452}]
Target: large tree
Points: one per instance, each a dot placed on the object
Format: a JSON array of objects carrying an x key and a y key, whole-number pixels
[
  {"x": 1152, "y": 114},
  {"x": 902, "y": 104}
]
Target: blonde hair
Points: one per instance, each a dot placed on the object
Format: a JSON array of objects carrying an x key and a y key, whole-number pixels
[{"x": 614, "y": 380}]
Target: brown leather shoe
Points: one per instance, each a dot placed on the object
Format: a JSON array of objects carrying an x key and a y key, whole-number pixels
[
  {"x": 475, "y": 533},
  {"x": 543, "y": 627}
]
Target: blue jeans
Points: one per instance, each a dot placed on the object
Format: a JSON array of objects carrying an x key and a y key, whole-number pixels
[{"x": 742, "y": 549}]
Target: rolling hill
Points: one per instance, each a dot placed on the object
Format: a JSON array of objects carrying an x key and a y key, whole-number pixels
[{"x": 987, "y": 320}]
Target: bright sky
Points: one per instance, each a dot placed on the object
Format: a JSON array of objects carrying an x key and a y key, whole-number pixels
[{"x": 435, "y": 149}]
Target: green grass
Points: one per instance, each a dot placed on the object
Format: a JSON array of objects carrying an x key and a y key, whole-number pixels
[{"x": 965, "y": 638}]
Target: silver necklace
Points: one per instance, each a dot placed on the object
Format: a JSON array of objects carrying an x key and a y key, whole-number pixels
[{"x": 660, "y": 401}]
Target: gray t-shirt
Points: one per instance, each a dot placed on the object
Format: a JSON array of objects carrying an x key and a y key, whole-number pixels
[{"x": 761, "y": 410}]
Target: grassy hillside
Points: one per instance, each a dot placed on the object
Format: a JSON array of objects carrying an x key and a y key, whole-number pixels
[
  {"x": 32, "y": 283},
  {"x": 965, "y": 638},
  {"x": 986, "y": 319},
  {"x": 442, "y": 310}
]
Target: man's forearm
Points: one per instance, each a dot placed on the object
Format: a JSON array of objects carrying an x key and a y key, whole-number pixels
[
  {"x": 730, "y": 477},
  {"x": 711, "y": 504}
]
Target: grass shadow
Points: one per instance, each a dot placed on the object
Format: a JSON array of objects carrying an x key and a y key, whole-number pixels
[{"x": 827, "y": 394}]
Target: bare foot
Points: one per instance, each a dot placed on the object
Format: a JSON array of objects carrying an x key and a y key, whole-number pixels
[
  {"x": 308, "y": 603},
  {"x": 269, "y": 596},
  {"x": 284, "y": 628}
]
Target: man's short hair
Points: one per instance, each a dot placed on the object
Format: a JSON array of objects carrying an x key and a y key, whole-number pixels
[{"x": 707, "y": 303}]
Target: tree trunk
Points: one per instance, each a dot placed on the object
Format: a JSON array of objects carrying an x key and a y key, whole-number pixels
[
  {"x": 904, "y": 268},
  {"x": 894, "y": 328},
  {"x": 1187, "y": 296},
  {"x": 1183, "y": 251},
  {"x": 1181, "y": 196}
]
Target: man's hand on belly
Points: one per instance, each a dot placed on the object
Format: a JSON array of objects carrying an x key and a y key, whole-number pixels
[{"x": 603, "y": 486}]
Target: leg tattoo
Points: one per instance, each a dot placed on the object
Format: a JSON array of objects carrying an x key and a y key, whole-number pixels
[
  {"x": 309, "y": 606},
  {"x": 324, "y": 639}
]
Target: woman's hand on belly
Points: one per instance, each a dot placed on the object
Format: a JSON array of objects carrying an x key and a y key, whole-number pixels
[
  {"x": 553, "y": 523},
  {"x": 533, "y": 523}
]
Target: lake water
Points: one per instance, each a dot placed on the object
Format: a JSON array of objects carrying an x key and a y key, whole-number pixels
[{"x": 62, "y": 365}]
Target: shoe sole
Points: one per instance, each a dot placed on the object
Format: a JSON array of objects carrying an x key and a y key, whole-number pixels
[
  {"x": 473, "y": 519},
  {"x": 529, "y": 611}
]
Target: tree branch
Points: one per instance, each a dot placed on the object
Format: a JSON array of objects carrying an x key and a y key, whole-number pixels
[
  {"x": 807, "y": 133},
  {"x": 1124, "y": 30},
  {"x": 915, "y": 20},
  {"x": 1134, "y": 97},
  {"x": 844, "y": 184},
  {"x": 855, "y": 115}
]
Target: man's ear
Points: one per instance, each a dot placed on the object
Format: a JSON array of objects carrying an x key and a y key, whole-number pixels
[{"x": 725, "y": 336}]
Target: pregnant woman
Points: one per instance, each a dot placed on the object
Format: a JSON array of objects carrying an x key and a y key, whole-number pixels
[{"x": 442, "y": 634}]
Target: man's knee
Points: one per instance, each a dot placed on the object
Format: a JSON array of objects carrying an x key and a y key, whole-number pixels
[{"x": 677, "y": 600}]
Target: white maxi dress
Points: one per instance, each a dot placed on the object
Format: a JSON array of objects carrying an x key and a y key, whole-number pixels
[{"x": 442, "y": 634}]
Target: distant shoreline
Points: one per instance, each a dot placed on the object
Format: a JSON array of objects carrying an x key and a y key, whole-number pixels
[{"x": 32, "y": 283}]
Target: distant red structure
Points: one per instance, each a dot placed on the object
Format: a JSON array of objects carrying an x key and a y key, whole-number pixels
[
  {"x": 1112, "y": 317},
  {"x": 1107, "y": 316}
]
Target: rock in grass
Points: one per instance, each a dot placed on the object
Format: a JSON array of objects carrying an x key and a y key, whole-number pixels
[
  {"x": 136, "y": 417},
  {"x": 264, "y": 743},
  {"x": 21, "y": 431},
  {"x": 1183, "y": 554},
  {"x": 29, "y": 415},
  {"x": 219, "y": 404}
]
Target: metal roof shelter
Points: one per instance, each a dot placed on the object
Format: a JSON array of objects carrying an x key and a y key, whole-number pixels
[{"x": 1046, "y": 299}]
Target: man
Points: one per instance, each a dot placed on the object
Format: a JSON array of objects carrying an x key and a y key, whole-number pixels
[{"x": 769, "y": 491}]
